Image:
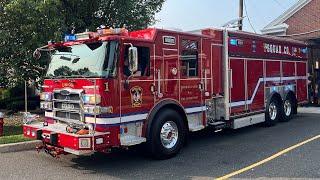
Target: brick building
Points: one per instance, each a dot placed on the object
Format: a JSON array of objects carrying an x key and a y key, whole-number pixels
[{"x": 302, "y": 22}]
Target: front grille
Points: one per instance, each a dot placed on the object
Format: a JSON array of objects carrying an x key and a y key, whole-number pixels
[
  {"x": 68, "y": 115},
  {"x": 67, "y": 105},
  {"x": 71, "y": 97}
]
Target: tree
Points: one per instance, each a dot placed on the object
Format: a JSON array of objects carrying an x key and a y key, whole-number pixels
[
  {"x": 28, "y": 24},
  {"x": 24, "y": 26}
]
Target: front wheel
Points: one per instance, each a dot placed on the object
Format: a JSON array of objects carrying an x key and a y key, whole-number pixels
[{"x": 167, "y": 134}]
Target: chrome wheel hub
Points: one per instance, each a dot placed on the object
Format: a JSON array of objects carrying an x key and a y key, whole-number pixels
[
  {"x": 169, "y": 134},
  {"x": 287, "y": 107},
  {"x": 273, "y": 111}
]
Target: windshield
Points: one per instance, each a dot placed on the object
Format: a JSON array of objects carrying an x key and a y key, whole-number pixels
[{"x": 84, "y": 60}]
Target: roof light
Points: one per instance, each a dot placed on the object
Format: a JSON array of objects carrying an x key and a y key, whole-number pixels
[
  {"x": 304, "y": 50},
  {"x": 70, "y": 37},
  {"x": 85, "y": 35},
  {"x": 111, "y": 31}
]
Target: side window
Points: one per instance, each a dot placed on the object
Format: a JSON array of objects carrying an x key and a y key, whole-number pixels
[
  {"x": 143, "y": 62},
  {"x": 189, "y": 58},
  {"x": 111, "y": 58},
  {"x": 189, "y": 63}
]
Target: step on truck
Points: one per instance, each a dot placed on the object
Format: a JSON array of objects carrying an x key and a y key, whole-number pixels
[{"x": 114, "y": 89}]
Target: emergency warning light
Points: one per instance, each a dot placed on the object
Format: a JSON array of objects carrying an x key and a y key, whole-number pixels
[
  {"x": 304, "y": 50},
  {"x": 70, "y": 37},
  {"x": 110, "y": 31}
]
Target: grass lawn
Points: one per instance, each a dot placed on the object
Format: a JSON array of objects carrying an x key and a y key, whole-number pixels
[
  {"x": 12, "y": 134},
  {"x": 13, "y": 139}
]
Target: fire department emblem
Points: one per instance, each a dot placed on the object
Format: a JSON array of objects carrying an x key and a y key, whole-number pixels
[{"x": 136, "y": 96}]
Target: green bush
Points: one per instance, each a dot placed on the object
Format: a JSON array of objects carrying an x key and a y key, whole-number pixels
[
  {"x": 13, "y": 99},
  {"x": 4, "y": 93},
  {"x": 19, "y": 90},
  {"x": 16, "y": 104}
]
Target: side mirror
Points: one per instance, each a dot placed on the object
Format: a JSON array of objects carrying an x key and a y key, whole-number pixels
[
  {"x": 133, "y": 59},
  {"x": 36, "y": 54}
]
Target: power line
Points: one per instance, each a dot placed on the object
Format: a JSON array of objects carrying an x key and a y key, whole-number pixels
[
  {"x": 245, "y": 8},
  {"x": 281, "y": 5}
]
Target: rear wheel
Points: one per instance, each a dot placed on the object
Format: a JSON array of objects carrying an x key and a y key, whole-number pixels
[
  {"x": 273, "y": 112},
  {"x": 167, "y": 135},
  {"x": 288, "y": 109}
]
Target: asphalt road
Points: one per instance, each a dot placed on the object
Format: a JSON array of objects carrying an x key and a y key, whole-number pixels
[{"x": 207, "y": 156}]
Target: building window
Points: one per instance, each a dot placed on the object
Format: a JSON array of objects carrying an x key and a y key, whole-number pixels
[
  {"x": 189, "y": 63},
  {"x": 143, "y": 62}
]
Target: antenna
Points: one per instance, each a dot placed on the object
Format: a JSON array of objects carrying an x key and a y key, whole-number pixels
[{"x": 234, "y": 23}]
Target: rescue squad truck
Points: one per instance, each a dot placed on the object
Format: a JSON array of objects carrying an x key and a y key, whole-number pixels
[{"x": 114, "y": 89}]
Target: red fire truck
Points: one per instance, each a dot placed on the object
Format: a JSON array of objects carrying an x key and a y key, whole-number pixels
[{"x": 114, "y": 88}]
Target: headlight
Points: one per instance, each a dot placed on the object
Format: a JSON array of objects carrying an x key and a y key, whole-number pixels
[
  {"x": 84, "y": 143},
  {"x": 91, "y": 99},
  {"x": 46, "y": 96},
  {"x": 92, "y": 110},
  {"x": 46, "y": 105},
  {"x": 97, "y": 110}
]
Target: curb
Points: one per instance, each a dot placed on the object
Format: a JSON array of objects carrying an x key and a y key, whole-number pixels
[
  {"x": 22, "y": 146},
  {"x": 309, "y": 110}
]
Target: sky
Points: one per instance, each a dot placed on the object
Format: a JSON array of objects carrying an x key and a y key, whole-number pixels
[{"x": 188, "y": 15}]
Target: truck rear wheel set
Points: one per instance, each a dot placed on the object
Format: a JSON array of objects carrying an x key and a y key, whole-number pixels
[
  {"x": 289, "y": 108},
  {"x": 278, "y": 110}
]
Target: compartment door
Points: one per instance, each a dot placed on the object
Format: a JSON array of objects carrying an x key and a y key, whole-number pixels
[{"x": 237, "y": 86}]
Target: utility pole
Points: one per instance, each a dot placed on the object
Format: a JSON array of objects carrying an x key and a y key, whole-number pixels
[
  {"x": 25, "y": 96},
  {"x": 241, "y": 14}
]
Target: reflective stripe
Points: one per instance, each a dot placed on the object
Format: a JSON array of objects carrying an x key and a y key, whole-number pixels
[
  {"x": 136, "y": 117},
  {"x": 132, "y": 118},
  {"x": 115, "y": 120},
  {"x": 195, "y": 109}
]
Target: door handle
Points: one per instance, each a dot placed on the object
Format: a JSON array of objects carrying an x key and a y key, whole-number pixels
[
  {"x": 230, "y": 79},
  {"x": 200, "y": 86},
  {"x": 160, "y": 95}
]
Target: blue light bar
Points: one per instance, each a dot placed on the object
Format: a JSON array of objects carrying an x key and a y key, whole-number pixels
[
  {"x": 70, "y": 37},
  {"x": 305, "y": 50}
]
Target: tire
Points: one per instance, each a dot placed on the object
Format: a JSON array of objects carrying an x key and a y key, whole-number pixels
[
  {"x": 273, "y": 112},
  {"x": 288, "y": 109},
  {"x": 167, "y": 135}
]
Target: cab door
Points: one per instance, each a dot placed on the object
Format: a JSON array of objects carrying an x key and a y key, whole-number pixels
[
  {"x": 136, "y": 96},
  {"x": 167, "y": 77}
]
